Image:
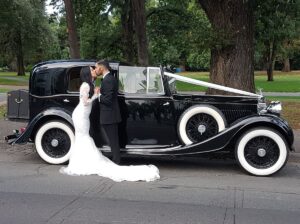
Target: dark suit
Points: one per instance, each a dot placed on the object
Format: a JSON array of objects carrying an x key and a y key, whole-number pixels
[{"x": 110, "y": 113}]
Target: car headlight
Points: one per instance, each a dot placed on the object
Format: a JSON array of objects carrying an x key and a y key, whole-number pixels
[{"x": 274, "y": 107}]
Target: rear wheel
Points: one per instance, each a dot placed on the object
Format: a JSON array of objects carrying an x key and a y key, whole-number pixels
[
  {"x": 53, "y": 142},
  {"x": 261, "y": 151}
]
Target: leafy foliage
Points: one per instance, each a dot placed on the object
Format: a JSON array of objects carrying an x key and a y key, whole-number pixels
[
  {"x": 277, "y": 29},
  {"x": 179, "y": 32},
  {"x": 24, "y": 26}
]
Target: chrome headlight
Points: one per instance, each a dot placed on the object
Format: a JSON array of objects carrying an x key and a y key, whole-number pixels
[{"x": 274, "y": 107}]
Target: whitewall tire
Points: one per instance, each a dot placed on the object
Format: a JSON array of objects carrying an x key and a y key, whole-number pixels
[
  {"x": 261, "y": 151},
  {"x": 200, "y": 122},
  {"x": 53, "y": 142}
]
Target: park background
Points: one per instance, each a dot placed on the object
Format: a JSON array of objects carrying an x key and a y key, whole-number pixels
[{"x": 249, "y": 45}]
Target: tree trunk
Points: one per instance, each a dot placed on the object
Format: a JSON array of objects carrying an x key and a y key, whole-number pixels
[
  {"x": 72, "y": 34},
  {"x": 286, "y": 65},
  {"x": 232, "y": 65},
  {"x": 139, "y": 18},
  {"x": 271, "y": 59},
  {"x": 20, "y": 56},
  {"x": 270, "y": 73},
  {"x": 127, "y": 30}
]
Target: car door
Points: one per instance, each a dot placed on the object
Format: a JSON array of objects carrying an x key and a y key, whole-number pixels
[{"x": 147, "y": 112}]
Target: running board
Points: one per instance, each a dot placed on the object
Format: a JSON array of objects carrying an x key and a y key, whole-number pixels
[{"x": 140, "y": 150}]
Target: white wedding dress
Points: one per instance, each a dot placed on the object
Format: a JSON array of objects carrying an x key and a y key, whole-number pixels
[{"x": 87, "y": 159}]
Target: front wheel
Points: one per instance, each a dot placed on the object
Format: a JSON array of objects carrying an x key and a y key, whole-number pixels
[
  {"x": 53, "y": 142},
  {"x": 261, "y": 151}
]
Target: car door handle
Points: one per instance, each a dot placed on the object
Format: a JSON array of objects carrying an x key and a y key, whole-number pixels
[
  {"x": 66, "y": 101},
  {"x": 166, "y": 104}
]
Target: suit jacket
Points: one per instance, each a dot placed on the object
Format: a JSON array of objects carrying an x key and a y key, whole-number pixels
[{"x": 109, "y": 105}]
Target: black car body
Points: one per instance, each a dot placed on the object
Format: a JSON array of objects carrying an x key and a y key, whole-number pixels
[{"x": 156, "y": 120}]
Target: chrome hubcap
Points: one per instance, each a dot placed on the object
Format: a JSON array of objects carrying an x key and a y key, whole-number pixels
[
  {"x": 54, "y": 143},
  {"x": 261, "y": 152},
  {"x": 201, "y": 128}
]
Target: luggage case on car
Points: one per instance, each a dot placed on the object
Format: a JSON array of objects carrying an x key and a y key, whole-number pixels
[{"x": 18, "y": 104}]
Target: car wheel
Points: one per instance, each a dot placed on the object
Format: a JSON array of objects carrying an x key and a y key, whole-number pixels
[
  {"x": 261, "y": 151},
  {"x": 199, "y": 123},
  {"x": 53, "y": 142}
]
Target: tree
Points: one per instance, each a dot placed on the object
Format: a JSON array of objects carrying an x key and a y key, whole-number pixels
[
  {"x": 139, "y": 21},
  {"x": 128, "y": 32},
  {"x": 167, "y": 30},
  {"x": 179, "y": 34},
  {"x": 232, "y": 56},
  {"x": 72, "y": 33},
  {"x": 23, "y": 28},
  {"x": 276, "y": 26}
]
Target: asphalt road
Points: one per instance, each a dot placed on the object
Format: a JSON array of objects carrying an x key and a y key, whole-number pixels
[{"x": 190, "y": 191}]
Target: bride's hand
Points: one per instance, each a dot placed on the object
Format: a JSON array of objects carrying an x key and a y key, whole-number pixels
[{"x": 97, "y": 90}]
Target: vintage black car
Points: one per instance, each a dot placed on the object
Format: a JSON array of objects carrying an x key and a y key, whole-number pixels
[{"x": 157, "y": 120}]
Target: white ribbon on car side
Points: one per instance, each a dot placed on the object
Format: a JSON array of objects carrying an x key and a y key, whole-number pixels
[{"x": 211, "y": 85}]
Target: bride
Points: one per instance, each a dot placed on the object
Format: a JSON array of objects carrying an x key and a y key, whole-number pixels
[{"x": 86, "y": 158}]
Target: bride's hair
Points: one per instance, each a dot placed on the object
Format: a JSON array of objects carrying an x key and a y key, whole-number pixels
[{"x": 86, "y": 76}]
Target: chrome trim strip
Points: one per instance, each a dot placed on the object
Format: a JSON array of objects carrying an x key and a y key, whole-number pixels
[
  {"x": 53, "y": 96},
  {"x": 107, "y": 149},
  {"x": 157, "y": 151},
  {"x": 146, "y": 146}
]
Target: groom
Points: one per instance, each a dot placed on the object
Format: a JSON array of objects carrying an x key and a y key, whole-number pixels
[{"x": 109, "y": 107}]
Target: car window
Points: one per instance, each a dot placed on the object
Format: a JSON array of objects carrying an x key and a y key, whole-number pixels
[
  {"x": 132, "y": 79},
  {"x": 140, "y": 80},
  {"x": 155, "y": 84},
  {"x": 74, "y": 79},
  {"x": 47, "y": 82}
]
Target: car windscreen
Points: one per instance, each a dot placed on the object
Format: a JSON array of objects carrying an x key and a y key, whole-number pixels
[{"x": 140, "y": 80}]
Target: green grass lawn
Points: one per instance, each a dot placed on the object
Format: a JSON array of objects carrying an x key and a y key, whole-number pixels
[
  {"x": 284, "y": 82},
  {"x": 2, "y": 90},
  {"x": 291, "y": 112},
  {"x": 284, "y": 98},
  {"x": 290, "y": 109},
  {"x": 10, "y": 78},
  {"x": 2, "y": 111}
]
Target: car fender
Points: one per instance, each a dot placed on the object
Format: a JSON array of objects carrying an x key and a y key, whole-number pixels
[
  {"x": 224, "y": 138},
  {"x": 271, "y": 121},
  {"x": 44, "y": 116}
]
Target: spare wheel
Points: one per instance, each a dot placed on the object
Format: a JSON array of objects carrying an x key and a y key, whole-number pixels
[{"x": 199, "y": 123}]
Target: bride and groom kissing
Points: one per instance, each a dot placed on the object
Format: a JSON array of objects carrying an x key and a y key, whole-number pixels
[{"x": 86, "y": 158}]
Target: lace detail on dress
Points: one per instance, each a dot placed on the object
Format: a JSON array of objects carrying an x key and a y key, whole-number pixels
[{"x": 84, "y": 94}]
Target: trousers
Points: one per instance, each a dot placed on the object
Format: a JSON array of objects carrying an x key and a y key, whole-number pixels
[{"x": 111, "y": 131}]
